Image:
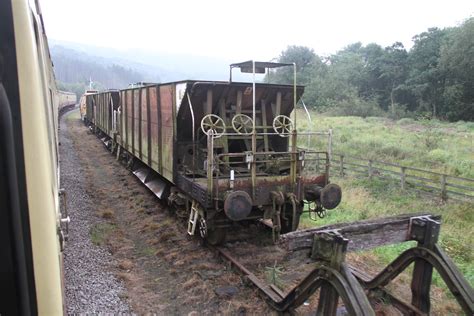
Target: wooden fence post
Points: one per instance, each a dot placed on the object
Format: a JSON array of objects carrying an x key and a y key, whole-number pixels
[
  {"x": 317, "y": 163},
  {"x": 341, "y": 166},
  {"x": 444, "y": 193},
  {"x": 402, "y": 177},
  {"x": 370, "y": 169}
]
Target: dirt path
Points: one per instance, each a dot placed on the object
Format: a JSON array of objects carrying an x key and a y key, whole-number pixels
[{"x": 164, "y": 271}]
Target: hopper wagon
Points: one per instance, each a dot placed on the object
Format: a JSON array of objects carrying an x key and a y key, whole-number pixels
[{"x": 220, "y": 152}]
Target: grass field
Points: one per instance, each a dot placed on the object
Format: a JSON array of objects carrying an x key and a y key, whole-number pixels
[
  {"x": 434, "y": 145},
  {"x": 437, "y": 146}
]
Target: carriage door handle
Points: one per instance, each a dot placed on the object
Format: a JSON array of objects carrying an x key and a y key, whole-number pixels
[{"x": 64, "y": 214}]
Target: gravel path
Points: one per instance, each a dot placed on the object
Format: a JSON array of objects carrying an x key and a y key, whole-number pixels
[{"x": 90, "y": 286}]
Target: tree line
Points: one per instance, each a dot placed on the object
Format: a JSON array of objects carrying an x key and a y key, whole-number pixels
[{"x": 434, "y": 79}]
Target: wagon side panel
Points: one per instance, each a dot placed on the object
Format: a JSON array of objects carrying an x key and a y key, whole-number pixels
[
  {"x": 129, "y": 120},
  {"x": 167, "y": 119},
  {"x": 155, "y": 131},
  {"x": 136, "y": 123},
  {"x": 144, "y": 126}
]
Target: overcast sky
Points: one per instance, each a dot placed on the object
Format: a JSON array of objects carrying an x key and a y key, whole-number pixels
[{"x": 246, "y": 29}]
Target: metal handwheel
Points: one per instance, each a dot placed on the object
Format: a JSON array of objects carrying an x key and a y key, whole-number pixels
[
  {"x": 283, "y": 125},
  {"x": 214, "y": 123},
  {"x": 242, "y": 124}
]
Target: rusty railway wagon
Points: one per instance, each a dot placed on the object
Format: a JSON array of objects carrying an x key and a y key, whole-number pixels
[{"x": 221, "y": 153}]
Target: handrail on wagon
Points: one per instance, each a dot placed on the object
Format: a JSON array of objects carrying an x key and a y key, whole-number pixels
[{"x": 252, "y": 66}]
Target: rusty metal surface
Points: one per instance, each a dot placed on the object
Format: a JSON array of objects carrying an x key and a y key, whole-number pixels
[
  {"x": 167, "y": 128},
  {"x": 155, "y": 122},
  {"x": 155, "y": 131},
  {"x": 237, "y": 205},
  {"x": 331, "y": 196},
  {"x": 129, "y": 118},
  {"x": 144, "y": 128},
  {"x": 136, "y": 122}
]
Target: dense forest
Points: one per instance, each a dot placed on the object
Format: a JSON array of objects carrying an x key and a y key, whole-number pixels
[{"x": 435, "y": 78}]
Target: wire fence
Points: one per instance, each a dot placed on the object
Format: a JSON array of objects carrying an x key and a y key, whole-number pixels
[{"x": 442, "y": 185}]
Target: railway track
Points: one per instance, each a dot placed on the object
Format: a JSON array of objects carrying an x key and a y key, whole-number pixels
[{"x": 315, "y": 260}]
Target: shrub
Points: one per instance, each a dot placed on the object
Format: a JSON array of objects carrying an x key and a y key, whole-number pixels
[
  {"x": 439, "y": 155},
  {"x": 357, "y": 107},
  {"x": 393, "y": 151},
  {"x": 405, "y": 121}
]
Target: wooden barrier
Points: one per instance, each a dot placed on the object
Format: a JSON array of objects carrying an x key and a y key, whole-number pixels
[{"x": 443, "y": 185}]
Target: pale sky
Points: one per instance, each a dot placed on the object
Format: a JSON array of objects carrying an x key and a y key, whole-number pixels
[{"x": 246, "y": 29}]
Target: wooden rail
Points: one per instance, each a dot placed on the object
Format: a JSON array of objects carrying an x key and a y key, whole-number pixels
[{"x": 443, "y": 185}]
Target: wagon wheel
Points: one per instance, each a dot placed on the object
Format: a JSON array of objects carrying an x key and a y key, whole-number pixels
[
  {"x": 212, "y": 123},
  {"x": 203, "y": 227},
  {"x": 242, "y": 124},
  {"x": 283, "y": 125}
]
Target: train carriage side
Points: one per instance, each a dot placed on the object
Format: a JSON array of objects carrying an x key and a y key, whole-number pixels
[
  {"x": 147, "y": 126},
  {"x": 107, "y": 103}
]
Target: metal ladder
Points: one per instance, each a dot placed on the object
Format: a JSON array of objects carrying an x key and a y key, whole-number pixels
[{"x": 193, "y": 218}]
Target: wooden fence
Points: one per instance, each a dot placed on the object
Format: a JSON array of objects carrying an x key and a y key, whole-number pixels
[{"x": 442, "y": 185}]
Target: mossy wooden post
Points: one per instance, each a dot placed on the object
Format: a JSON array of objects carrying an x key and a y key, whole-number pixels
[
  {"x": 317, "y": 163},
  {"x": 331, "y": 249},
  {"x": 444, "y": 193},
  {"x": 426, "y": 232},
  {"x": 402, "y": 177},
  {"x": 341, "y": 166}
]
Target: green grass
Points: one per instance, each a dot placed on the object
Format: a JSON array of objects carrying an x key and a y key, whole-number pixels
[
  {"x": 100, "y": 232},
  {"x": 434, "y": 145},
  {"x": 437, "y": 146},
  {"x": 365, "y": 199}
]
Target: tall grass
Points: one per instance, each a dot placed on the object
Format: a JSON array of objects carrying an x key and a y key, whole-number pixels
[
  {"x": 435, "y": 145},
  {"x": 438, "y": 146}
]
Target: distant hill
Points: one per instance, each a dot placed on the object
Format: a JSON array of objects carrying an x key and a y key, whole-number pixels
[
  {"x": 72, "y": 66},
  {"x": 111, "y": 68}
]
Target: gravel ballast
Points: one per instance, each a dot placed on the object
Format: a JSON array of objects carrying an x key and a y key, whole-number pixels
[{"x": 90, "y": 285}]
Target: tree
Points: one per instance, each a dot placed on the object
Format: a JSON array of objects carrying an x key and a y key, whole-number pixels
[
  {"x": 457, "y": 64},
  {"x": 393, "y": 70},
  {"x": 426, "y": 79},
  {"x": 303, "y": 57}
]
